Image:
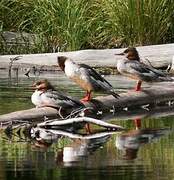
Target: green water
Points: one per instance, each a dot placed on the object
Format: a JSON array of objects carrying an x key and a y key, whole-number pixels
[{"x": 146, "y": 153}]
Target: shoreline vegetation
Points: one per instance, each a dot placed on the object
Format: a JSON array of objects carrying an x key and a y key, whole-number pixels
[{"x": 43, "y": 26}]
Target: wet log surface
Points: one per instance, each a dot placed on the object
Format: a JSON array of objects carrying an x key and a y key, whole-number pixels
[{"x": 161, "y": 95}]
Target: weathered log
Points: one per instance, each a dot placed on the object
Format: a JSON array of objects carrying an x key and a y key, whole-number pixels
[
  {"x": 161, "y": 93},
  {"x": 158, "y": 56},
  {"x": 172, "y": 66},
  {"x": 30, "y": 114}
]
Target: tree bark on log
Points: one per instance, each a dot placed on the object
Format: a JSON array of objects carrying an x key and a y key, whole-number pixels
[
  {"x": 30, "y": 114},
  {"x": 158, "y": 56},
  {"x": 161, "y": 93}
]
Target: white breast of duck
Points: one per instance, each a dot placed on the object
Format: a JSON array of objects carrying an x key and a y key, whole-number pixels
[
  {"x": 47, "y": 98},
  {"x": 121, "y": 65},
  {"x": 36, "y": 98},
  {"x": 71, "y": 68}
]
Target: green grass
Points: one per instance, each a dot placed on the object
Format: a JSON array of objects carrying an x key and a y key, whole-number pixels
[
  {"x": 139, "y": 22},
  {"x": 61, "y": 25}
]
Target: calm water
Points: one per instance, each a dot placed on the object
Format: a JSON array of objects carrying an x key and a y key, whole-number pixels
[{"x": 146, "y": 153}]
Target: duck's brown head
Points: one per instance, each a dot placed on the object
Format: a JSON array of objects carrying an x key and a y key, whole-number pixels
[
  {"x": 61, "y": 62},
  {"x": 43, "y": 85},
  {"x": 131, "y": 53}
]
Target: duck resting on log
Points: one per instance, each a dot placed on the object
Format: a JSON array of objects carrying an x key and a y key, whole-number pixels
[
  {"x": 45, "y": 95},
  {"x": 132, "y": 67}
]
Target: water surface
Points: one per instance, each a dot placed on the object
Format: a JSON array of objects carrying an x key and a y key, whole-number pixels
[{"x": 145, "y": 153}]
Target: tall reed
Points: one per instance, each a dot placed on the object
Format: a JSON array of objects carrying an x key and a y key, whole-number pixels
[
  {"x": 63, "y": 24},
  {"x": 66, "y": 25},
  {"x": 138, "y": 22}
]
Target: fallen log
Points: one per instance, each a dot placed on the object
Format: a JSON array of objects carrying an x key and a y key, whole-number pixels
[
  {"x": 30, "y": 114},
  {"x": 162, "y": 93},
  {"x": 158, "y": 56},
  {"x": 159, "y": 93}
]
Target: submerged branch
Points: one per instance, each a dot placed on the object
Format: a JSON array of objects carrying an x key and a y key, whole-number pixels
[
  {"x": 56, "y": 122},
  {"x": 77, "y": 135}
]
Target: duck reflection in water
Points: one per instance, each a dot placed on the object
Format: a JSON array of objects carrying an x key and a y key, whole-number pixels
[
  {"x": 43, "y": 139},
  {"x": 80, "y": 149},
  {"x": 81, "y": 146},
  {"x": 129, "y": 142}
]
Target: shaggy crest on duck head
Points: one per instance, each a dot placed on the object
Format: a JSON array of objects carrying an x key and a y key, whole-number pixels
[
  {"x": 131, "y": 53},
  {"x": 43, "y": 85}
]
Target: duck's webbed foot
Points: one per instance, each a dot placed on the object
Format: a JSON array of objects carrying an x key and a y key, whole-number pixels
[
  {"x": 87, "y": 97},
  {"x": 138, "y": 86}
]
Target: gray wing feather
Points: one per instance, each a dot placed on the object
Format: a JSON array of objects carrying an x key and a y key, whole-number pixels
[
  {"x": 62, "y": 100},
  {"x": 95, "y": 76},
  {"x": 146, "y": 72},
  {"x": 97, "y": 81}
]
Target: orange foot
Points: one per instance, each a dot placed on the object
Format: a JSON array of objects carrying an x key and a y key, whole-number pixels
[
  {"x": 133, "y": 90},
  {"x": 86, "y": 98},
  {"x": 138, "y": 89},
  {"x": 137, "y": 123},
  {"x": 138, "y": 86}
]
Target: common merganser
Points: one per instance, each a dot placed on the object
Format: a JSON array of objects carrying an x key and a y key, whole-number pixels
[
  {"x": 86, "y": 77},
  {"x": 46, "y": 95},
  {"x": 132, "y": 67}
]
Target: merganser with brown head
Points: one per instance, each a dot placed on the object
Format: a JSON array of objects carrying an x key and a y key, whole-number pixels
[
  {"x": 86, "y": 77},
  {"x": 132, "y": 67},
  {"x": 45, "y": 95}
]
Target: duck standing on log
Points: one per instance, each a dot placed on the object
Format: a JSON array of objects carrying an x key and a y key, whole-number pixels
[
  {"x": 45, "y": 95},
  {"x": 132, "y": 67},
  {"x": 86, "y": 77}
]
